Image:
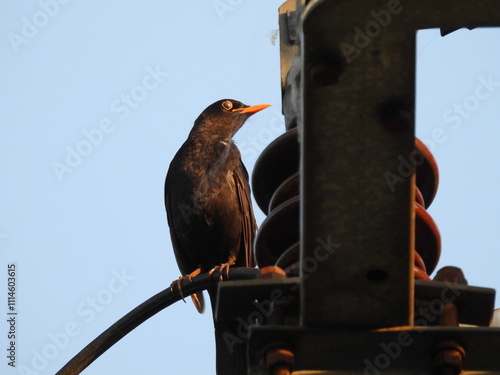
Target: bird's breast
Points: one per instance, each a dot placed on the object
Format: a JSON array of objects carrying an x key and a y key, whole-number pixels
[{"x": 210, "y": 173}]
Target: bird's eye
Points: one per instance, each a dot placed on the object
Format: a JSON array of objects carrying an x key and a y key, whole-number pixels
[{"x": 227, "y": 105}]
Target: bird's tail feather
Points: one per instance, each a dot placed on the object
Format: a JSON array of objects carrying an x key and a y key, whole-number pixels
[{"x": 199, "y": 302}]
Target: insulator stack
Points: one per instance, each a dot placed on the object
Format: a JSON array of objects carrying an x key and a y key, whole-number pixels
[
  {"x": 276, "y": 186},
  {"x": 346, "y": 198},
  {"x": 275, "y": 183},
  {"x": 427, "y": 238}
]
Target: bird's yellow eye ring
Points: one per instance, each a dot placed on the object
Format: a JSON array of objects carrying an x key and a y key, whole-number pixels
[{"x": 227, "y": 105}]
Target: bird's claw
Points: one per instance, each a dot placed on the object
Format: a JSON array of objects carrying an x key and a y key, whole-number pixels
[
  {"x": 224, "y": 267},
  {"x": 177, "y": 283},
  {"x": 221, "y": 269}
]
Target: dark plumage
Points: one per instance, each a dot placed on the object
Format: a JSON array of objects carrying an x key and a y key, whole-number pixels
[{"x": 209, "y": 210}]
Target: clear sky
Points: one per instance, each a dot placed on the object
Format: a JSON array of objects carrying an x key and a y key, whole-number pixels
[{"x": 97, "y": 97}]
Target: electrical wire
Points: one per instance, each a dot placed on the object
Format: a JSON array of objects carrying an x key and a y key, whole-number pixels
[{"x": 145, "y": 311}]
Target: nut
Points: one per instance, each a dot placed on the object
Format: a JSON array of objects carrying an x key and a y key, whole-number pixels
[{"x": 279, "y": 361}]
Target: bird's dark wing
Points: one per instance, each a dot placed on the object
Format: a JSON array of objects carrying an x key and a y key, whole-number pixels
[
  {"x": 183, "y": 262},
  {"x": 249, "y": 226}
]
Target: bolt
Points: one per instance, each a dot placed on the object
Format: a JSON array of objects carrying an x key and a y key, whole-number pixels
[
  {"x": 272, "y": 272},
  {"x": 448, "y": 357},
  {"x": 279, "y": 361},
  {"x": 452, "y": 275},
  {"x": 325, "y": 73},
  {"x": 449, "y": 315},
  {"x": 396, "y": 115}
]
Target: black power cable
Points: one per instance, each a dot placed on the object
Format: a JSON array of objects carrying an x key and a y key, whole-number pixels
[{"x": 145, "y": 311}]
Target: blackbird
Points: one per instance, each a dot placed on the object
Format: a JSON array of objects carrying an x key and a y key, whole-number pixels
[{"x": 209, "y": 211}]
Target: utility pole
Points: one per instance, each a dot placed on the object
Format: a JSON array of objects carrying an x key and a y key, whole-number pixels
[{"x": 348, "y": 246}]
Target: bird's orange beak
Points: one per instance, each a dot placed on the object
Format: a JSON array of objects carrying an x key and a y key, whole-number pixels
[{"x": 252, "y": 109}]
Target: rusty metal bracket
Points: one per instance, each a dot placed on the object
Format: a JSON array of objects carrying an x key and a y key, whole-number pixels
[
  {"x": 402, "y": 350},
  {"x": 474, "y": 304},
  {"x": 356, "y": 124},
  {"x": 349, "y": 143},
  {"x": 245, "y": 298}
]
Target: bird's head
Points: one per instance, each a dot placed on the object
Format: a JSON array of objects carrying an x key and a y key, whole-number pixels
[{"x": 224, "y": 118}]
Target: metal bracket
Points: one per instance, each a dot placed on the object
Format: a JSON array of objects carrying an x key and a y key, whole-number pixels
[
  {"x": 357, "y": 123},
  {"x": 403, "y": 350}
]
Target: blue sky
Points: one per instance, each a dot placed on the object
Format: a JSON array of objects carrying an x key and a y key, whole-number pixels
[{"x": 95, "y": 102}]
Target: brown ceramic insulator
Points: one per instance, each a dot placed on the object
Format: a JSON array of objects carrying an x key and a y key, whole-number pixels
[
  {"x": 290, "y": 260},
  {"x": 277, "y": 162},
  {"x": 276, "y": 183},
  {"x": 277, "y": 233},
  {"x": 419, "y": 268},
  {"x": 419, "y": 262},
  {"x": 427, "y": 174},
  {"x": 419, "y": 198},
  {"x": 287, "y": 190},
  {"x": 427, "y": 238},
  {"x": 421, "y": 275},
  {"x": 428, "y": 241}
]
